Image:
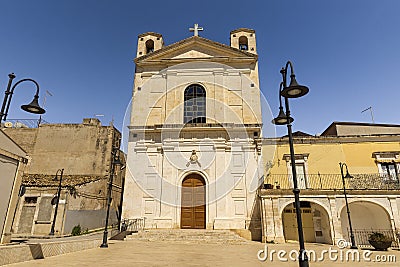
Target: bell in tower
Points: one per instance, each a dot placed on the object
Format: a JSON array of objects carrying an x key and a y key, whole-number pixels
[
  {"x": 149, "y": 42},
  {"x": 244, "y": 39}
]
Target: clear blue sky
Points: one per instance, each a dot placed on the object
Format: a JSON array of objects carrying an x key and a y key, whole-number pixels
[{"x": 347, "y": 52}]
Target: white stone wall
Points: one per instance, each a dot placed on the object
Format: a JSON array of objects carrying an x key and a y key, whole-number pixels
[{"x": 154, "y": 179}]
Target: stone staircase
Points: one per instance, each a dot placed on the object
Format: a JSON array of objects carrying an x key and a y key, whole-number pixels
[{"x": 188, "y": 235}]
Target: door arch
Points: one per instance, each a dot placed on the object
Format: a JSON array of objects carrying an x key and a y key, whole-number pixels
[
  {"x": 315, "y": 219},
  {"x": 365, "y": 215},
  {"x": 193, "y": 202}
]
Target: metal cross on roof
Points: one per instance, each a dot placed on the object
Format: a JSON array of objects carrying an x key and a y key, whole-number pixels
[{"x": 196, "y": 29}]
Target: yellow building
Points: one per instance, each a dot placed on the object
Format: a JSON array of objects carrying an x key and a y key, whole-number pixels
[{"x": 372, "y": 154}]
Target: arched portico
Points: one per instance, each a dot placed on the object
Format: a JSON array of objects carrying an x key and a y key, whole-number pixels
[
  {"x": 316, "y": 223},
  {"x": 365, "y": 216}
]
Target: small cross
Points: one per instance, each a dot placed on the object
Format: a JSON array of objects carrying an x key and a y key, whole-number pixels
[{"x": 196, "y": 29}]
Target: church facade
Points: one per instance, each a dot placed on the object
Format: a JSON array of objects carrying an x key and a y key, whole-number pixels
[{"x": 194, "y": 149}]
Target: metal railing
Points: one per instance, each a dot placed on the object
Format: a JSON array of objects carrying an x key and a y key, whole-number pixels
[
  {"x": 133, "y": 225},
  {"x": 371, "y": 181},
  {"x": 24, "y": 123},
  {"x": 362, "y": 236}
]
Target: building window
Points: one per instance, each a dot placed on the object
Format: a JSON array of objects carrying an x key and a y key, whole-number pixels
[
  {"x": 303, "y": 204},
  {"x": 301, "y": 174},
  {"x": 30, "y": 200},
  {"x": 195, "y": 104},
  {"x": 149, "y": 46},
  {"x": 243, "y": 43},
  {"x": 388, "y": 164},
  {"x": 301, "y": 170},
  {"x": 389, "y": 171}
]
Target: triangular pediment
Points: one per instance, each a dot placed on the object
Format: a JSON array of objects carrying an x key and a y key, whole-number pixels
[
  {"x": 195, "y": 48},
  {"x": 194, "y": 53}
]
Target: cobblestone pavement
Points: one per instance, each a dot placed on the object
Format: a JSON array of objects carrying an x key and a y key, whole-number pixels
[{"x": 169, "y": 253}]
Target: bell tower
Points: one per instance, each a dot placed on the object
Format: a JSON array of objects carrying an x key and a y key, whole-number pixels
[
  {"x": 149, "y": 42},
  {"x": 244, "y": 39}
]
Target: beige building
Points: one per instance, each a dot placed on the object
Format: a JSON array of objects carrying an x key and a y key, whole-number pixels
[
  {"x": 193, "y": 154},
  {"x": 372, "y": 154},
  {"x": 12, "y": 164},
  {"x": 84, "y": 151}
]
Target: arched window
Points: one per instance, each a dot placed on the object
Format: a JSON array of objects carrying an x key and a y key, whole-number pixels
[
  {"x": 243, "y": 43},
  {"x": 149, "y": 46},
  {"x": 195, "y": 104}
]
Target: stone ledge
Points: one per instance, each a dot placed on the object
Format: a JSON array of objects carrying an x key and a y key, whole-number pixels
[{"x": 26, "y": 252}]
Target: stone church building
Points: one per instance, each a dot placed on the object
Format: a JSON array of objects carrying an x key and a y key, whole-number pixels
[{"x": 194, "y": 146}]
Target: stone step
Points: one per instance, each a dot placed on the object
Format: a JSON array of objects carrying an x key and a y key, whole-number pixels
[{"x": 188, "y": 235}]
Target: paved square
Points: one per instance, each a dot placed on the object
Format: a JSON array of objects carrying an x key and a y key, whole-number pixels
[{"x": 168, "y": 253}]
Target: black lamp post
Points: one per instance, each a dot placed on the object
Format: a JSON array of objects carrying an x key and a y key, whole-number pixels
[
  {"x": 114, "y": 161},
  {"x": 342, "y": 165},
  {"x": 32, "y": 107},
  {"x": 294, "y": 90},
  {"x": 57, "y": 200}
]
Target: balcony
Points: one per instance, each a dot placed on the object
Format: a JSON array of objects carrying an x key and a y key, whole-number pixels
[{"x": 365, "y": 181}]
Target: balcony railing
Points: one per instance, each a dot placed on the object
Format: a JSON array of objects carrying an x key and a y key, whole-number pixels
[
  {"x": 362, "y": 236},
  {"x": 370, "y": 181},
  {"x": 24, "y": 123}
]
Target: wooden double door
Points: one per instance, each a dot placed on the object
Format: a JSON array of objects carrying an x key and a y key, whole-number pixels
[
  {"x": 290, "y": 224},
  {"x": 193, "y": 206}
]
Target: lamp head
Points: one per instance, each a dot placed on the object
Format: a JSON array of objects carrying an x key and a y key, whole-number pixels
[
  {"x": 33, "y": 107},
  {"x": 58, "y": 171},
  {"x": 22, "y": 191},
  {"x": 282, "y": 118},
  {"x": 348, "y": 174},
  {"x": 342, "y": 165},
  {"x": 55, "y": 178},
  {"x": 294, "y": 90}
]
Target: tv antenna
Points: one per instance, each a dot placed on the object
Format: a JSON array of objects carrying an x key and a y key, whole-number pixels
[
  {"x": 47, "y": 93},
  {"x": 372, "y": 114}
]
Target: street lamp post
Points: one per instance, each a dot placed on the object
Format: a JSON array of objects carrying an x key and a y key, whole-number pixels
[
  {"x": 342, "y": 165},
  {"x": 32, "y": 107},
  {"x": 294, "y": 90},
  {"x": 57, "y": 201},
  {"x": 114, "y": 161}
]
